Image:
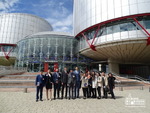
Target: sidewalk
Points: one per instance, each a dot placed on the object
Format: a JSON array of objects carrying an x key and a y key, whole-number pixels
[{"x": 19, "y": 102}]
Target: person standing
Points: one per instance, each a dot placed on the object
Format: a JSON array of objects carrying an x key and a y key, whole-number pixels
[
  {"x": 39, "y": 82},
  {"x": 105, "y": 85},
  {"x": 71, "y": 84},
  {"x": 89, "y": 84},
  {"x": 78, "y": 82},
  {"x": 57, "y": 83},
  {"x": 99, "y": 84},
  {"x": 48, "y": 83},
  {"x": 64, "y": 79},
  {"x": 94, "y": 85},
  {"x": 84, "y": 80},
  {"x": 111, "y": 84}
]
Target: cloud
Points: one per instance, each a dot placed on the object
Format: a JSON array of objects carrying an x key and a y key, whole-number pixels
[
  {"x": 63, "y": 24},
  {"x": 7, "y": 5},
  {"x": 57, "y": 12}
]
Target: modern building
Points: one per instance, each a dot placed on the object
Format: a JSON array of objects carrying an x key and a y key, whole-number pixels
[
  {"x": 15, "y": 27},
  {"x": 49, "y": 50},
  {"x": 116, "y": 33}
]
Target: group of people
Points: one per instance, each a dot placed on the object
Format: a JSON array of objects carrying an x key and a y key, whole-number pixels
[{"x": 69, "y": 84}]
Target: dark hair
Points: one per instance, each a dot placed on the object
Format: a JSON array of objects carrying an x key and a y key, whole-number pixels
[
  {"x": 110, "y": 73},
  {"x": 41, "y": 70},
  {"x": 99, "y": 73}
]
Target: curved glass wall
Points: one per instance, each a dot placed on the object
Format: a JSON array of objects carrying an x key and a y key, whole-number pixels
[
  {"x": 36, "y": 50},
  {"x": 90, "y": 12},
  {"x": 117, "y": 30}
]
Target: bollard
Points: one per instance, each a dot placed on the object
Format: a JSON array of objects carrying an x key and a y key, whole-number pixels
[
  {"x": 142, "y": 88},
  {"x": 121, "y": 88},
  {"x": 25, "y": 90}
]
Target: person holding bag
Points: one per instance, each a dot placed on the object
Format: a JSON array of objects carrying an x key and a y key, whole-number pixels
[{"x": 84, "y": 80}]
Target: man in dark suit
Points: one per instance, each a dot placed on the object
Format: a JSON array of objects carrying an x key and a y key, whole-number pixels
[
  {"x": 39, "y": 82},
  {"x": 78, "y": 82},
  {"x": 111, "y": 84},
  {"x": 64, "y": 79},
  {"x": 57, "y": 83}
]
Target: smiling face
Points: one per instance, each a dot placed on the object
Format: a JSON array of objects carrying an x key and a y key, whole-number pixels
[{"x": 76, "y": 68}]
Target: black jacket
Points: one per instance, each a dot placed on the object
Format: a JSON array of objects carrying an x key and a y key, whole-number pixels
[
  {"x": 111, "y": 81},
  {"x": 48, "y": 79},
  {"x": 64, "y": 77}
]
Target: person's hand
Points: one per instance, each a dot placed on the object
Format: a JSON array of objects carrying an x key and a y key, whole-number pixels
[{"x": 62, "y": 83}]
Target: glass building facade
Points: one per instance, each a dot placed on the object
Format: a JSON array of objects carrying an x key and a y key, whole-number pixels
[
  {"x": 15, "y": 27},
  {"x": 49, "y": 50},
  {"x": 114, "y": 32}
]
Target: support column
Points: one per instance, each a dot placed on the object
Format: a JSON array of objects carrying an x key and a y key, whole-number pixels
[
  {"x": 113, "y": 66},
  {"x": 45, "y": 66}
]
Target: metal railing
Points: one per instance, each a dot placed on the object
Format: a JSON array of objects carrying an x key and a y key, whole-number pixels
[{"x": 5, "y": 70}]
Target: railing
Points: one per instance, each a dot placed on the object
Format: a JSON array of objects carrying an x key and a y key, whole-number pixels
[
  {"x": 5, "y": 70},
  {"x": 136, "y": 77}
]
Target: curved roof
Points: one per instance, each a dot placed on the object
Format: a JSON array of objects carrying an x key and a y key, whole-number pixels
[
  {"x": 28, "y": 15},
  {"x": 50, "y": 33}
]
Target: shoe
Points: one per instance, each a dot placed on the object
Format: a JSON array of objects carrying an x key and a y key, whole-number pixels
[
  {"x": 41, "y": 100},
  {"x": 98, "y": 97},
  {"x": 47, "y": 98},
  {"x": 50, "y": 99},
  {"x": 54, "y": 98},
  {"x": 36, "y": 100},
  {"x": 61, "y": 97},
  {"x": 113, "y": 97},
  {"x": 84, "y": 97}
]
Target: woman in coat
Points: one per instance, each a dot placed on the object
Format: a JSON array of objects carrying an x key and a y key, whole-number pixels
[
  {"x": 84, "y": 85},
  {"x": 48, "y": 83},
  {"x": 94, "y": 84},
  {"x": 99, "y": 84}
]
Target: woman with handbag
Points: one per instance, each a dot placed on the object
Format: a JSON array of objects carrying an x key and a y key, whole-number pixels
[{"x": 84, "y": 80}]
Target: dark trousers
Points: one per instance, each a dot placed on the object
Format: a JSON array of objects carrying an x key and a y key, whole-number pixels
[
  {"x": 99, "y": 91},
  {"x": 56, "y": 88},
  {"x": 105, "y": 92},
  {"x": 77, "y": 89},
  {"x": 94, "y": 92},
  {"x": 85, "y": 92},
  {"x": 62, "y": 91},
  {"x": 71, "y": 88},
  {"x": 39, "y": 89},
  {"x": 111, "y": 91},
  {"x": 89, "y": 90}
]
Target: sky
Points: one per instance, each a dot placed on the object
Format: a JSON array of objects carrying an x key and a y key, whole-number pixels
[{"x": 59, "y": 13}]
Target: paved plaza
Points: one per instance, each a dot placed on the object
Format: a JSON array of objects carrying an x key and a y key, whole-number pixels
[{"x": 19, "y": 102}]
